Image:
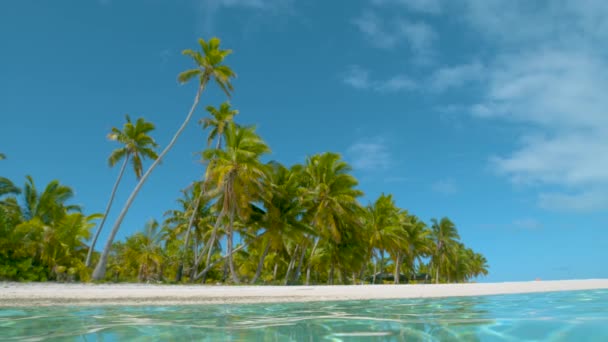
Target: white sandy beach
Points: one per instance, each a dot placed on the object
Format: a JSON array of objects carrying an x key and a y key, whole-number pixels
[{"x": 29, "y": 294}]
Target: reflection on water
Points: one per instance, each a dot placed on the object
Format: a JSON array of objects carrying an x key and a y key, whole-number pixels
[{"x": 565, "y": 316}]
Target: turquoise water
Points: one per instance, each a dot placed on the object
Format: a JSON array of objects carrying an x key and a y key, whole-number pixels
[{"x": 558, "y": 316}]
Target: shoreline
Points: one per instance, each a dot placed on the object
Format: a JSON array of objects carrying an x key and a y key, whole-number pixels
[{"x": 68, "y": 294}]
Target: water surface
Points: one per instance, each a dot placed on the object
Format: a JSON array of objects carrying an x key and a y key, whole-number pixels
[{"x": 557, "y": 316}]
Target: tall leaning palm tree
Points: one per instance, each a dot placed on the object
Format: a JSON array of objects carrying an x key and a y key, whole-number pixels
[
  {"x": 219, "y": 120},
  {"x": 137, "y": 145},
  {"x": 209, "y": 66}
]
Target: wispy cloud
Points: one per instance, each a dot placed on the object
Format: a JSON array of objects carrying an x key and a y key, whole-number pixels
[
  {"x": 422, "y": 6},
  {"x": 359, "y": 78},
  {"x": 387, "y": 34},
  {"x": 528, "y": 223},
  {"x": 209, "y": 9},
  {"x": 555, "y": 88},
  {"x": 456, "y": 76},
  {"x": 585, "y": 201},
  {"x": 445, "y": 187},
  {"x": 369, "y": 155}
]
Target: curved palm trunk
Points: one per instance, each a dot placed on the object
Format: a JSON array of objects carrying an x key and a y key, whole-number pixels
[
  {"x": 208, "y": 267},
  {"x": 105, "y": 214},
  {"x": 312, "y": 253},
  {"x": 300, "y": 263},
  {"x": 397, "y": 265},
  {"x": 258, "y": 271},
  {"x": 100, "y": 269},
  {"x": 292, "y": 263},
  {"x": 180, "y": 268},
  {"x": 229, "y": 248}
]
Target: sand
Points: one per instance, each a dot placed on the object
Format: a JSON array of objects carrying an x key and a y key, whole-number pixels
[{"x": 38, "y": 294}]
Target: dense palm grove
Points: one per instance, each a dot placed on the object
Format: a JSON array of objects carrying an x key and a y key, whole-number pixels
[{"x": 244, "y": 221}]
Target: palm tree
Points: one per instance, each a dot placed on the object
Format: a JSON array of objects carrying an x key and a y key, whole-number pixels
[
  {"x": 237, "y": 174},
  {"x": 138, "y": 145},
  {"x": 208, "y": 67},
  {"x": 282, "y": 219},
  {"x": 331, "y": 200},
  {"x": 8, "y": 187},
  {"x": 418, "y": 243},
  {"x": 220, "y": 119},
  {"x": 385, "y": 231},
  {"x": 446, "y": 238}
]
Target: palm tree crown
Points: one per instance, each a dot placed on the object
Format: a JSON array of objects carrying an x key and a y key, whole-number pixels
[
  {"x": 138, "y": 145},
  {"x": 209, "y": 65}
]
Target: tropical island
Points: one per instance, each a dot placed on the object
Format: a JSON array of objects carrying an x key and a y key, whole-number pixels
[{"x": 244, "y": 220}]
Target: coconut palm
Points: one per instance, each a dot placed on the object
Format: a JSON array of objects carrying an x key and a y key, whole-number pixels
[
  {"x": 7, "y": 187},
  {"x": 220, "y": 118},
  {"x": 418, "y": 243},
  {"x": 331, "y": 200},
  {"x": 446, "y": 238},
  {"x": 237, "y": 174},
  {"x": 209, "y": 66},
  {"x": 283, "y": 211},
  {"x": 137, "y": 146},
  {"x": 384, "y": 229}
]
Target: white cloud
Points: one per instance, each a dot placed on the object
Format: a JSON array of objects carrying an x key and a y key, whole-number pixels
[
  {"x": 555, "y": 90},
  {"x": 422, "y": 6},
  {"x": 369, "y": 155},
  {"x": 395, "y": 84},
  {"x": 209, "y": 9},
  {"x": 456, "y": 76},
  {"x": 387, "y": 34},
  {"x": 359, "y": 78},
  {"x": 591, "y": 200},
  {"x": 445, "y": 187}
]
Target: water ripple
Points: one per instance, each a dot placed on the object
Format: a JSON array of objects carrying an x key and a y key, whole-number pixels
[{"x": 564, "y": 316}]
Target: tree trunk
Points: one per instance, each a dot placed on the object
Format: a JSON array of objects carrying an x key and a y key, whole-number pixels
[
  {"x": 330, "y": 277},
  {"x": 105, "y": 214},
  {"x": 274, "y": 272},
  {"x": 213, "y": 237},
  {"x": 375, "y": 272},
  {"x": 229, "y": 248},
  {"x": 178, "y": 276},
  {"x": 397, "y": 264},
  {"x": 299, "y": 269},
  {"x": 312, "y": 253},
  {"x": 203, "y": 273},
  {"x": 292, "y": 262},
  {"x": 100, "y": 270},
  {"x": 258, "y": 271},
  {"x": 180, "y": 268},
  {"x": 381, "y": 261},
  {"x": 437, "y": 275}
]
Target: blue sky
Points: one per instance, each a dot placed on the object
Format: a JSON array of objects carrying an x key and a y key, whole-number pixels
[{"x": 492, "y": 113}]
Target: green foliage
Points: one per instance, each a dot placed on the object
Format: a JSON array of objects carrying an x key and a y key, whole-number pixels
[
  {"x": 296, "y": 224},
  {"x": 44, "y": 238}
]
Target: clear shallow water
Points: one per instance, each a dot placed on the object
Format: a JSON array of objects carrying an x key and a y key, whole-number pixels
[{"x": 558, "y": 316}]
